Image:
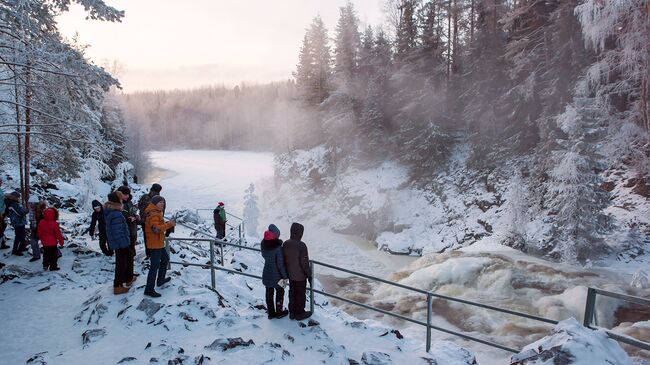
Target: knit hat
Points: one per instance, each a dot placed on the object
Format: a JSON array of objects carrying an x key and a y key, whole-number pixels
[
  {"x": 268, "y": 235},
  {"x": 96, "y": 204},
  {"x": 297, "y": 230},
  {"x": 124, "y": 190},
  {"x": 114, "y": 198},
  {"x": 157, "y": 199},
  {"x": 156, "y": 188},
  {"x": 275, "y": 230},
  {"x": 220, "y": 204}
]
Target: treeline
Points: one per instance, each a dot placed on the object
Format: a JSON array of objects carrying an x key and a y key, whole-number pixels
[
  {"x": 55, "y": 110},
  {"x": 554, "y": 92},
  {"x": 246, "y": 117}
]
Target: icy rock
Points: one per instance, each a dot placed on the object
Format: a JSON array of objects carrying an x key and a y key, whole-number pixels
[
  {"x": 149, "y": 307},
  {"x": 396, "y": 332},
  {"x": 572, "y": 344},
  {"x": 92, "y": 335},
  {"x": 375, "y": 358},
  {"x": 312, "y": 323},
  {"x": 229, "y": 343},
  {"x": 127, "y": 359},
  {"x": 187, "y": 317},
  {"x": 449, "y": 353},
  {"x": 37, "y": 359},
  {"x": 640, "y": 280},
  {"x": 353, "y": 362}
]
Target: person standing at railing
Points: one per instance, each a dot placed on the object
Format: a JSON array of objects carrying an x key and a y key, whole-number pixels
[
  {"x": 155, "y": 228},
  {"x": 274, "y": 272},
  {"x": 143, "y": 203},
  {"x": 132, "y": 218},
  {"x": 219, "y": 215},
  {"x": 296, "y": 258}
]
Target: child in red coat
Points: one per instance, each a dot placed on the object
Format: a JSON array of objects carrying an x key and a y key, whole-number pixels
[{"x": 50, "y": 234}]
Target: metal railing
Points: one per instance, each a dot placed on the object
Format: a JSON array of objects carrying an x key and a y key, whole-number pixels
[
  {"x": 429, "y": 295},
  {"x": 590, "y": 315},
  {"x": 234, "y": 228}
]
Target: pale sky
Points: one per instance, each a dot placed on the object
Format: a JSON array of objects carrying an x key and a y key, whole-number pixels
[{"x": 166, "y": 44}]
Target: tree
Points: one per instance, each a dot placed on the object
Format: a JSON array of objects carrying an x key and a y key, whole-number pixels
[
  {"x": 346, "y": 46},
  {"x": 251, "y": 211}
]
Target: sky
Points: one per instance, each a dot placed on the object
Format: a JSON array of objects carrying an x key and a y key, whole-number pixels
[{"x": 166, "y": 44}]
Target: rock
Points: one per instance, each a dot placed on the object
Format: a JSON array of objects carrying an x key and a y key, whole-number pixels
[
  {"x": 396, "y": 332},
  {"x": 357, "y": 324},
  {"x": 127, "y": 359},
  {"x": 199, "y": 360},
  {"x": 631, "y": 182},
  {"x": 148, "y": 345},
  {"x": 187, "y": 317},
  {"x": 353, "y": 362},
  {"x": 571, "y": 343},
  {"x": 229, "y": 343},
  {"x": 642, "y": 188},
  {"x": 289, "y": 337},
  {"x": 640, "y": 280},
  {"x": 375, "y": 358},
  {"x": 149, "y": 307},
  {"x": 608, "y": 186},
  {"x": 92, "y": 335},
  {"x": 85, "y": 251},
  {"x": 45, "y": 288},
  {"x": 312, "y": 323},
  {"x": 37, "y": 359}
]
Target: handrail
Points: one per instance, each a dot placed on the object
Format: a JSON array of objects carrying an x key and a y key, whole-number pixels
[
  {"x": 590, "y": 315},
  {"x": 312, "y": 290}
]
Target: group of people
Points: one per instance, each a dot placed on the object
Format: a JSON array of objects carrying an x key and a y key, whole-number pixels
[
  {"x": 284, "y": 262},
  {"x": 43, "y": 228},
  {"x": 117, "y": 222}
]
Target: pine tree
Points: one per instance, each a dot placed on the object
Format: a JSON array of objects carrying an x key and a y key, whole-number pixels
[
  {"x": 347, "y": 44},
  {"x": 251, "y": 211},
  {"x": 405, "y": 39}
]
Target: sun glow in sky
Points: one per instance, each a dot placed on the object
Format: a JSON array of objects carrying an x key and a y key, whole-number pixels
[{"x": 165, "y": 44}]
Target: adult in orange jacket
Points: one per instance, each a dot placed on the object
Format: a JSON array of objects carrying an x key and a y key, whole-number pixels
[
  {"x": 49, "y": 233},
  {"x": 154, "y": 229}
]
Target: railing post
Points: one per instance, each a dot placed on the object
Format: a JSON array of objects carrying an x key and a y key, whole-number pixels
[
  {"x": 429, "y": 315},
  {"x": 240, "y": 232},
  {"x": 212, "y": 264},
  {"x": 589, "y": 307},
  {"x": 222, "y": 263},
  {"x": 311, "y": 287}
]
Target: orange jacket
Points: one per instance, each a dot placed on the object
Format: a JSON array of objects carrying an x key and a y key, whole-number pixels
[{"x": 155, "y": 227}]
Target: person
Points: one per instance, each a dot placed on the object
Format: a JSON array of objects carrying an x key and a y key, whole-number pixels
[
  {"x": 49, "y": 233},
  {"x": 274, "y": 271},
  {"x": 219, "y": 215},
  {"x": 143, "y": 203},
  {"x": 132, "y": 219},
  {"x": 155, "y": 228},
  {"x": 296, "y": 258},
  {"x": 97, "y": 220},
  {"x": 3, "y": 226},
  {"x": 18, "y": 219},
  {"x": 117, "y": 234},
  {"x": 36, "y": 211}
]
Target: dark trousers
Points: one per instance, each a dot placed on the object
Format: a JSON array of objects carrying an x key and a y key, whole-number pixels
[
  {"x": 103, "y": 245},
  {"x": 122, "y": 256},
  {"x": 297, "y": 296},
  {"x": 131, "y": 256},
  {"x": 159, "y": 260},
  {"x": 3, "y": 225},
  {"x": 274, "y": 306},
  {"x": 221, "y": 230},
  {"x": 147, "y": 252},
  {"x": 19, "y": 241},
  {"x": 50, "y": 257}
]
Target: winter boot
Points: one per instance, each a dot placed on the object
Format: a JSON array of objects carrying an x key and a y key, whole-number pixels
[
  {"x": 120, "y": 290},
  {"x": 3, "y": 243},
  {"x": 303, "y": 315},
  {"x": 152, "y": 294},
  {"x": 279, "y": 311}
]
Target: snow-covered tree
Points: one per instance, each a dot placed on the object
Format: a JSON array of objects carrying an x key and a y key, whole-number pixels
[
  {"x": 251, "y": 211},
  {"x": 517, "y": 200}
]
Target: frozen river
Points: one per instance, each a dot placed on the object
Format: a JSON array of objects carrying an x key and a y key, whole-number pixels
[{"x": 199, "y": 179}]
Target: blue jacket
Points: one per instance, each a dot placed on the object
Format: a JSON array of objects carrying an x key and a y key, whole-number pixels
[
  {"x": 117, "y": 231},
  {"x": 274, "y": 268},
  {"x": 17, "y": 214}
]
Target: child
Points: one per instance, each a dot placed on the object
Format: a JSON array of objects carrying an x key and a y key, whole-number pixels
[
  {"x": 97, "y": 220},
  {"x": 18, "y": 219},
  {"x": 49, "y": 233}
]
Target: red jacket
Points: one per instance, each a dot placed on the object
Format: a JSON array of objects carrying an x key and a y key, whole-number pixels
[{"x": 48, "y": 229}]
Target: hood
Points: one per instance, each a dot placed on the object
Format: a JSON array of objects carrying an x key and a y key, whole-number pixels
[
  {"x": 113, "y": 205},
  {"x": 151, "y": 208},
  {"x": 96, "y": 204},
  {"x": 297, "y": 230},
  {"x": 50, "y": 214}
]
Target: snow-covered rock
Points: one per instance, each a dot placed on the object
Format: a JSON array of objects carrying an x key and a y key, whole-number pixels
[{"x": 572, "y": 344}]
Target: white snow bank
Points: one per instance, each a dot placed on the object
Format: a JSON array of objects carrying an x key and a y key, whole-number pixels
[{"x": 572, "y": 344}]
